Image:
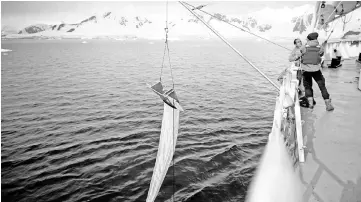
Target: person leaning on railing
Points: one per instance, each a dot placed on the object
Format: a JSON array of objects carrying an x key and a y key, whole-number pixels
[
  {"x": 296, "y": 54},
  {"x": 295, "y": 57}
]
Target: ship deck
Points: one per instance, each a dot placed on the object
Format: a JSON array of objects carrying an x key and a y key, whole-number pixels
[{"x": 332, "y": 168}]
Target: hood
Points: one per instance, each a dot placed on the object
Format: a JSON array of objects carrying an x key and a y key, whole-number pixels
[{"x": 313, "y": 43}]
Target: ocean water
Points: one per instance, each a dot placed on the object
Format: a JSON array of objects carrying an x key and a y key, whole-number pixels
[{"x": 78, "y": 122}]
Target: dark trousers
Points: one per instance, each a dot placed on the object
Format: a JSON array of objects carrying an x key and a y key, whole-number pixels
[{"x": 320, "y": 80}]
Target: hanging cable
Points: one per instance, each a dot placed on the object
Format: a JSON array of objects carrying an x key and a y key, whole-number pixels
[
  {"x": 328, "y": 28},
  {"x": 325, "y": 22},
  {"x": 161, "y": 69},
  {"x": 170, "y": 67},
  {"x": 345, "y": 21},
  {"x": 173, "y": 102},
  {"x": 166, "y": 49},
  {"x": 195, "y": 8},
  {"x": 225, "y": 41},
  {"x": 334, "y": 25}
]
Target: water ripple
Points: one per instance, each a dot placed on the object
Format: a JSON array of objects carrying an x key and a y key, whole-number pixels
[{"x": 79, "y": 123}]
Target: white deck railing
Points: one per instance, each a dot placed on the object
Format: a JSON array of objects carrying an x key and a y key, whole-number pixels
[
  {"x": 287, "y": 117},
  {"x": 359, "y": 81}
]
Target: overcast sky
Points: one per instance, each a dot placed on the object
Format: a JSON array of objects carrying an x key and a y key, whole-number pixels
[{"x": 21, "y": 14}]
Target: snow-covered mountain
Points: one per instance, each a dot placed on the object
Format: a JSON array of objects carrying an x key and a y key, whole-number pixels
[
  {"x": 340, "y": 28},
  {"x": 34, "y": 29},
  {"x": 284, "y": 22},
  {"x": 111, "y": 24},
  {"x": 5, "y": 30}
]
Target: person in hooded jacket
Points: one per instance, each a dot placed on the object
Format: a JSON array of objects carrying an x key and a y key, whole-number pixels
[
  {"x": 311, "y": 65},
  {"x": 296, "y": 54}
]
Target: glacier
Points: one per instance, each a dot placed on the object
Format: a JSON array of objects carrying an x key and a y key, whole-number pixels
[{"x": 276, "y": 24}]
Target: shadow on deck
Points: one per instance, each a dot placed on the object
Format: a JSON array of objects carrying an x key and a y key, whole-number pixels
[{"x": 332, "y": 168}]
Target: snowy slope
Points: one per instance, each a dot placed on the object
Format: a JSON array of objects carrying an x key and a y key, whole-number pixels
[{"x": 269, "y": 23}]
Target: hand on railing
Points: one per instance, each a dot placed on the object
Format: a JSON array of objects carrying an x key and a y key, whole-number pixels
[
  {"x": 294, "y": 67},
  {"x": 283, "y": 74}
]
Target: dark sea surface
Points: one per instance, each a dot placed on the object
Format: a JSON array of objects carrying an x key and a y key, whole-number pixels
[{"x": 78, "y": 122}]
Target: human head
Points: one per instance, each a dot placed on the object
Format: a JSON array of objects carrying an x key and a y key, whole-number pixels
[
  {"x": 297, "y": 42},
  {"x": 312, "y": 36}
]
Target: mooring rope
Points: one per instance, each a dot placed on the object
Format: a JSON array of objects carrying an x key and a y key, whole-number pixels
[
  {"x": 200, "y": 9},
  {"x": 225, "y": 41}
]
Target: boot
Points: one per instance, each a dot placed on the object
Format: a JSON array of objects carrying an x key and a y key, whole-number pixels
[
  {"x": 329, "y": 106},
  {"x": 310, "y": 102}
]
